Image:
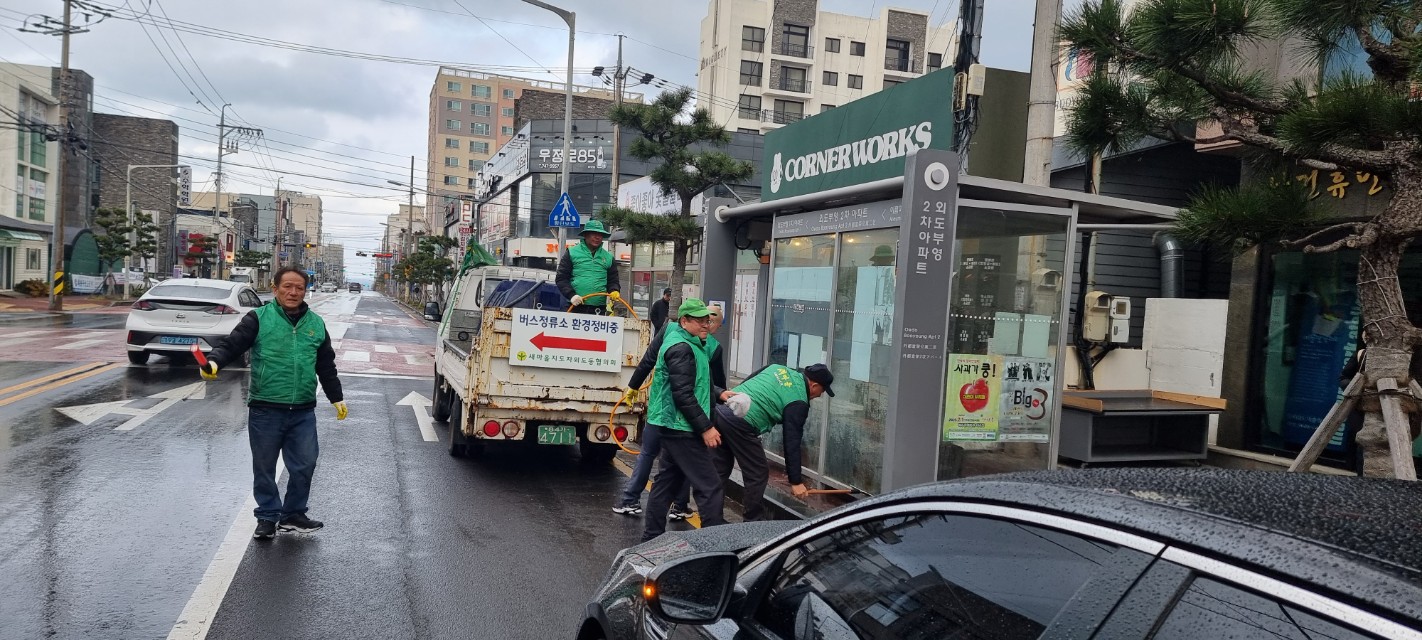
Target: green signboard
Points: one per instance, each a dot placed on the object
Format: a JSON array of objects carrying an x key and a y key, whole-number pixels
[{"x": 862, "y": 141}]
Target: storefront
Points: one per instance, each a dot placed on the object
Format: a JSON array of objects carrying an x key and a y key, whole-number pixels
[{"x": 937, "y": 300}]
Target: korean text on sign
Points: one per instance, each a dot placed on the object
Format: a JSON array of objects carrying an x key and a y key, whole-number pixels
[{"x": 933, "y": 222}]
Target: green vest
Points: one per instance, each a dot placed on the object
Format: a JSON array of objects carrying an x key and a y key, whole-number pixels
[
  {"x": 589, "y": 268},
  {"x": 771, "y": 391},
  {"x": 661, "y": 408},
  {"x": 284, "y": 357}
]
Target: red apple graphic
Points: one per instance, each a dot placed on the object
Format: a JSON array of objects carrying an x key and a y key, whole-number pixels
[{"x": 974, "y": 395}]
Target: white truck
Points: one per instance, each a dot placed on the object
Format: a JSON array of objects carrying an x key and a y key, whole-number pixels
[{"x": 527, "y": 371}]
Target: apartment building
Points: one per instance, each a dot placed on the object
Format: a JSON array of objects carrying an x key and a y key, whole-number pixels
[
  {"x": 472, "y": 115},
  {"x": 767, "y": 63}
]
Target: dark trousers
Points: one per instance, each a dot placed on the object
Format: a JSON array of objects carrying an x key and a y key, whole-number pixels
[
  {"x": 683, "y": 460},
  {"x": 651, "y": 448},
  {"x": 291, "y": 433},
  {"x": 740, "y": 444}
]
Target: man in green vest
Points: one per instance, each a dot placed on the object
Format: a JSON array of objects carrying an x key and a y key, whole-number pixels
[
  {"x": 587, "y": 268},
  {"x": 774, "y": 395},
  {"x": 680, "y": 409},
  {"x": 290, "y": 352}
]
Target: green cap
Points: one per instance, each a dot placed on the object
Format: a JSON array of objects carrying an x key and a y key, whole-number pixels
[
  {"x": 594, "y": 226},
  {"x": 693, "y": 307}
]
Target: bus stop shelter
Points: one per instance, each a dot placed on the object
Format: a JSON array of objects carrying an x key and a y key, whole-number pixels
[{"x": 940, "y": 302}]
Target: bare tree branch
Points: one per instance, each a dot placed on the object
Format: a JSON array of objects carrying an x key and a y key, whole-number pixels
[
  {"x": 1356, "y": 241},
  {"x": 1357, "y": 228}
]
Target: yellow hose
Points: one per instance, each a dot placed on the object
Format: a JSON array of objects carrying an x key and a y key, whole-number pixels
[{"x": 604, "y": 294}]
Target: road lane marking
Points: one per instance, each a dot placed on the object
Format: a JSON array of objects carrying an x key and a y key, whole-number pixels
[
  {"x": 82, "y": 344},
  {"x": 417, "y": 401},
  {"x": 26, "y": 334},
  {"x": 196, "y": 619},
  {"x": 51, "y": 377},
  {"x": 56, "y": 385},
  {"x": 384, "y": 348},
  {"x": 88, "y": 414}
]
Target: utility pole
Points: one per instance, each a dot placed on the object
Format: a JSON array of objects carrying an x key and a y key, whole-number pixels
[
  {"x": 56, "y": 251},
  {"x": 224, "y": 148},
  {"x": 618, "y": 79},
  {"x": 1042, "y": 96},
  {"x": 572, "y": 20},
  {"x": 410, "y": 224}
]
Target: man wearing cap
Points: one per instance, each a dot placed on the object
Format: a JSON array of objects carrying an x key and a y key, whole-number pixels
[
  {"x": 680, "y": 408},
  {"x": 629, "y": 503},
  {"x": 774, "y": 395},
  {"x": 659, "y": 313},
  {"x": 587, "y": 268}
]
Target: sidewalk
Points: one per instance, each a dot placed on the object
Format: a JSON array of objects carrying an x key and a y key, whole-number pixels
[{"x": 75, "y": 303}]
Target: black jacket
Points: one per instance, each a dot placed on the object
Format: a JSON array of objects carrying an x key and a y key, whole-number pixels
[
  {"x": 680, "y": 368},
  {"x": 564, "y": 279},
  {"x": 245, "y": 335},
  {"x": 658, "y": 316},
  {"x": 649, "y": 362}
]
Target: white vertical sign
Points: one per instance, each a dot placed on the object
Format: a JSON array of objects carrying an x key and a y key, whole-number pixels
[{"x": 185, "y": 186}]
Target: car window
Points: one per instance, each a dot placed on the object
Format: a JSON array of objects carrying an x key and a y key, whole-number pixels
[
  {"x": 937, "y": 576},
  {"x": 191, "y": 291},
  {"x": 1213, "y": 609},
  {"x": 249, "y": 299}
]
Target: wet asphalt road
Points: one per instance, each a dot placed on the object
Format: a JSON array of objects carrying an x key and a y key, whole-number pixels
[{"x": 111, "y": 526}]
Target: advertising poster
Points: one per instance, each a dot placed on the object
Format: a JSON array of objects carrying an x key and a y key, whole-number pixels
[
  {"x": 1027, "y": 402},
  {"x": 973, "y": 397}
]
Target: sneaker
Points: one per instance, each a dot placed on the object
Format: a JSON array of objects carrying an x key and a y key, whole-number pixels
[
  {"x": 680, "y": 513},
  {"x": 628, "y": 509},
  {"x": 266, "y": 529},
  {"x": 301, "y": 523}
]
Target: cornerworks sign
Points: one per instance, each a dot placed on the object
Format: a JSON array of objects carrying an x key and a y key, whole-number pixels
[{"x": 862, "y": 141}]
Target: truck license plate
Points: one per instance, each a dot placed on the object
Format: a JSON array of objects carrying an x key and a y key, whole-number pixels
[{"x": 557, "y": 434}]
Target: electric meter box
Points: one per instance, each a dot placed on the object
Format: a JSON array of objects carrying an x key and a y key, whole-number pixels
[
  {"x": 1096, "y": 325},
  {"x": 1120, "y": 319}
]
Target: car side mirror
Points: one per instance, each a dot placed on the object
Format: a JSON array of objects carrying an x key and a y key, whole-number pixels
[{"x": 692, "y": 590}]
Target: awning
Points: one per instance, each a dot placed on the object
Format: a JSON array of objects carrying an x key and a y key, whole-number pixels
[{"x": 11, "y": 234}]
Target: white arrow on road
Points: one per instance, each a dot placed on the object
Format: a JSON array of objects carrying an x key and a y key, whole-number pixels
[
  {"x": 421, "y": 406},
  {"x": 87, "y": 414}
]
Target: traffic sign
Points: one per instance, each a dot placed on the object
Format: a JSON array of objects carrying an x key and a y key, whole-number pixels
[
  {"x": 566, "y": 341},
  {"x": 564, "y": 214}
]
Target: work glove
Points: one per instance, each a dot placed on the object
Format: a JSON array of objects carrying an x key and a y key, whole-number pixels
[
  {"x": 740, "y": 404},
  {"x": 614, "y": 296},
  {"x": 629, "y": 396},
  {"x": 208, "y": 372},
  {"x": 577, "y": 300},
  {"x": 609, "y": 305},
  {"x": 341, "y": 410}
]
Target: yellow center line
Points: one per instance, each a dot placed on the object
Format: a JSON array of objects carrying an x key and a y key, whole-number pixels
[
  {"x": 50, "y": 378},
  {"x": 56, "y": 385},
  {"x": 694, "y": 521}
]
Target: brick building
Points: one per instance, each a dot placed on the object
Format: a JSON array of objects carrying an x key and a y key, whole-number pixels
[{"x": 120, "y": 141}]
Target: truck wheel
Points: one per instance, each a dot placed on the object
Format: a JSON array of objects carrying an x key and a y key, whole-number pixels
[
  {"x": 440, "y": 410},
  {"x": 458, "y": 444},
  {"x": 596, "y": 453}
]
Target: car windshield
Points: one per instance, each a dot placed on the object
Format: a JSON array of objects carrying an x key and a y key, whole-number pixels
[{"x": 190, "y": 291}]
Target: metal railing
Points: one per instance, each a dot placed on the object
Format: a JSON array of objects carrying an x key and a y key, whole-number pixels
[
  {"x": 790, "y": 84},
  {"x": 895, "y": 63},
  {"x": 795, "y": 49}
]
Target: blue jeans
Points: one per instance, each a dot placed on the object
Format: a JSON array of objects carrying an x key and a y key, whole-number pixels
[
  {"x": 292, "y": 434},
  {"x": 651, "y": 448}
]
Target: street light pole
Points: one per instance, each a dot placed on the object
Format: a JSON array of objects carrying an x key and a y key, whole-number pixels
[
  {"x": 133, "y": 233},
  {"x": 572, "y": 19}
]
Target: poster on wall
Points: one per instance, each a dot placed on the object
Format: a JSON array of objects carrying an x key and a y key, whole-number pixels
[
  {"x": 974, "y": 389},
  {"x": 1325, "y": 336},
  {"x": 1026, "y": 399}
]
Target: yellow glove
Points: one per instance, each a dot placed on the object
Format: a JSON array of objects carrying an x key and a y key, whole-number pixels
[
  {"x": 614, "y": 296},
  {"x": 209, "y": 372},
  {"x": 628, "y": 397},
  {"x": 341, "y": 410}
]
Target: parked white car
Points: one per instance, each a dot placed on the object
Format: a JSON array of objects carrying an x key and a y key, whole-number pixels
[{"x": 178, "y": 313}]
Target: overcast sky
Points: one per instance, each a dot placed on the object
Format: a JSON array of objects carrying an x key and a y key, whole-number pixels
[{"x": 360, "y": 120}]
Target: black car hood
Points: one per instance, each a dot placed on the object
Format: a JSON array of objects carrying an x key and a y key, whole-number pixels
[{"x": 730, "y": 537}]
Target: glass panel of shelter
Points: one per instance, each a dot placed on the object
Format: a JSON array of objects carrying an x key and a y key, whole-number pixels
[
  {"x": 801, "y": 312},
  {"x": 1006, "y": 305}
]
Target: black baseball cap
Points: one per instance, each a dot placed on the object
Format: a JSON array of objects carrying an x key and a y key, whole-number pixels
[
  {"x": 821, "y": 374},
  {"x": 666, "y": 291}
]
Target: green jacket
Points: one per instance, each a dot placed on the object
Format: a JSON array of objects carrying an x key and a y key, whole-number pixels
[
  {"x": 772, "y": 389},
  {"x": 287, "y": 357},
  {"x": 590, "y": 271},
  {"x": 681, "y": 392}
]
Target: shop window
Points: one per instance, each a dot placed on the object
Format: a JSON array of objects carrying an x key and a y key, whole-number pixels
[
  {"x": 1313, "y": 315},
  {"x": 862, "y": 357}
]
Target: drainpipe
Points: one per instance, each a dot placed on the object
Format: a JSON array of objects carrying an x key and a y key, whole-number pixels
[{"x": 1172, "y": 264}]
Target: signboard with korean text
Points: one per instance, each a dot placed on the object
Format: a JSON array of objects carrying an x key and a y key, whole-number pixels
[
  {"x": 645, "y": 196},
  {"x": 565, "y": 341},
  {"x": 582, "y": 158},
  {"x": 870, "y": 215},
  {"x": 1028, "y": 399},
  {"x": 185, "y": 186},
  {"x": 974, "y": 390}
]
